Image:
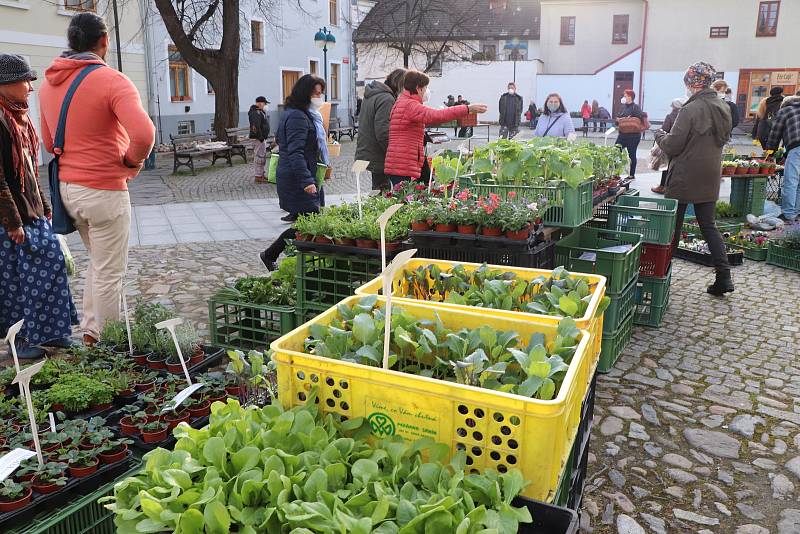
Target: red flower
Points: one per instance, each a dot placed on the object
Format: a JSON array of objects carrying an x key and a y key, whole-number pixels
[
  {"x": 512, "y": 194},
  {"x": 420, "y": 187}
]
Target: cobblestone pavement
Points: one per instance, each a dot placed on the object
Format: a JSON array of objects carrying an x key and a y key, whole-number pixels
[{"x": 697, "y": 427}]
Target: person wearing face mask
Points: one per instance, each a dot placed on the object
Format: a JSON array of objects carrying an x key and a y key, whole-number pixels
[
  {"x": 510, "y": 112},
  {"x": 259, "y": 131},
  {"x": 33, "y": 276},
  {"x": 721, "y": 87},
  {"x": 300, "y": 142},
  {"x": 630, "y": 123},
  {"x": 694, "y": 147},
  {"x": 406, "y": 153},
  {"x": 373, "y": 124},
  {"x": 555, "y": 120}
]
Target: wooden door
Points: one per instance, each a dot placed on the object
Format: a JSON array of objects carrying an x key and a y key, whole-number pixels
[
  {"x": 622, "y": 81},
  {"x": 289, "y": 78}
]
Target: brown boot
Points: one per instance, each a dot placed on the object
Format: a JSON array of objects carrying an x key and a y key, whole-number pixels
[
  {"x": 261, "y": 180},
  {"x": 89, "y": 341},
  {"x": 658, "y": 189}
]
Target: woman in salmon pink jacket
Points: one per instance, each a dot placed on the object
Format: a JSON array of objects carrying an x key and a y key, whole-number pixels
[{"x": 406, "y": 152}]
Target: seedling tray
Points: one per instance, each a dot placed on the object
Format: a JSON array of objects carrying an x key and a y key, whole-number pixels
[
  {"x": 540, "y": 256},
  {"x": 332, "y": 248},
  {"x": 753, "y": 253},
  {"x": 74, "y": 487},
  {"x": 243, "y": 325},
  {"x": 735, "y": 258}
]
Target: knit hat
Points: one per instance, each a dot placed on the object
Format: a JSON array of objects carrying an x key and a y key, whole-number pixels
[
  {"x": 14, "y": 68},
  {"x": 776, "y": 91},
  {"x": 700, "y": 75}
]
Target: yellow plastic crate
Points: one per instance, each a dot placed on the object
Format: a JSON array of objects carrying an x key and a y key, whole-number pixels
[
  {"x": 587, "y": 322},
  {"x": 497, "y": 430}
]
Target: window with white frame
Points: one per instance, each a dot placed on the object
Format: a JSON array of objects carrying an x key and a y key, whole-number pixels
[
  {"x": 335, "y": 77},
  {"x": 256, "y": 36}
]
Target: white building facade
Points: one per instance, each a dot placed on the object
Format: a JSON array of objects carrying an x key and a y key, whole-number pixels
[{"x": 271, "y": 60}]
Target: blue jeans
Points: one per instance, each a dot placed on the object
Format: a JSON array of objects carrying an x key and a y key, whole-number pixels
[{"x": 790, "y": 194}]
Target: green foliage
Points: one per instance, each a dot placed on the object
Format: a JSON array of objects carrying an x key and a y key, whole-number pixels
[
  {"x": 77, "y": 392},
  {"x": 269, "y": 470},
  {"x": 481, "y": 357},
  {"x": 12, "y": 491},
  {"x": 790, "y": 240},
  {"x": 725, "y": 210},
  {"x": 114, "y": 333}
]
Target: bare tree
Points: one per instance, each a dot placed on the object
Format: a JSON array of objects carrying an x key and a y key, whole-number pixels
[
  {"x": 433, "y": 29},
  {"x": 207, "y": 33}
]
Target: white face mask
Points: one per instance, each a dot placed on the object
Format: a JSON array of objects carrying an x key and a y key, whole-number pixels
[
  {"x": 553, "y": 106},
  {"x": 623, "y": 101},
  {"x": 317, "y": 102},
  {"x": 511, "y": 90}
]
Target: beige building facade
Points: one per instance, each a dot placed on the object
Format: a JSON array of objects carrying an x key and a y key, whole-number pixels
[{"x": 37, "y": 29}]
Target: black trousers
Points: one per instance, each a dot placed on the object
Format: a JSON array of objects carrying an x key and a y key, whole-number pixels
[
  {"x": 279, "y": 245},
  {"x": 663, "y": 178},
  {"x": 705, "y": 213},
  {"x": 380, "y": 182},
  {"x": 630, "y": 142}
]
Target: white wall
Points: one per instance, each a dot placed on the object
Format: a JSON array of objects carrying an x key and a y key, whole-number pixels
[{"x": 575, "y": 88}]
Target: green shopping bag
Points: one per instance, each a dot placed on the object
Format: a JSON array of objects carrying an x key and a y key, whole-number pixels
[
  {"x": 272, "y": 176},
  {"x": 322, "y": 170}
]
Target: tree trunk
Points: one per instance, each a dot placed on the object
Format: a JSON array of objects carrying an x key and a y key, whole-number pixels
[
  {"x": 406, "y": 57},
  {"x": 226, "y": 98}
]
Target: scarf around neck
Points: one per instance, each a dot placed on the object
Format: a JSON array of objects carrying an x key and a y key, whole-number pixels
[{"x": 23, "y": 137}]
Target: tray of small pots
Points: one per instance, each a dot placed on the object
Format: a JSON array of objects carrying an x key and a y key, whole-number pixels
[
  {"x": 78, "y": 458},
  {"x": 697, "y": 251}
]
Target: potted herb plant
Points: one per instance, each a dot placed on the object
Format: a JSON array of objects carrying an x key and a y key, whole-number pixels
[
  {"x": 146, "y": 381},
  {"x": 82, "y": 463},
  {"x": 49, "y": 478},
  {"x": 133, "y": 420},
  {"x": 142, "y": 339},
  {"x": 420, "y": 219},
  {"x": 198, "y": 407},
  {"x": 115, "y": 335},
  {"x": 13, "y": 495},
  {"x": 176, "y": 415},
  {"x": 366, "y": 233},
  {"x": 154, "y": 431},
  {"x": 114, "y": 450}
]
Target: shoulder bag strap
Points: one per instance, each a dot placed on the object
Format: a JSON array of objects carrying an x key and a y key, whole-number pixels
[
  {"x": 58, "y": 141},
  {"x": 551, "y": 125}
]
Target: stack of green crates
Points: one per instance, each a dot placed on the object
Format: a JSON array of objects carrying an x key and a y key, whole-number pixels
[
  {"x": 654, "y": 219},
  {"x": 614, "y": 255},
  {"x": 748, "y": 194}
]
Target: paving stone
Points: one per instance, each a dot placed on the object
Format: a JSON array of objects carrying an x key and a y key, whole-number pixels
[
  {"x": 675, "y": 491},
  {"x": 695, "y": 518},
  {"x": 717, "y": 491},
  {"x": 611, "y": 425},
  {"x": 725, "y": 476},
  {"x": 751, "y": 529},
  {"x": 617, "y": 478},
  {"x": 722, "y": 508},
  {"x": 712, "y": 442},
  {"x": 639, "y": 493},
  {"x": 765, "y": 463},
  {"x": 749, "y": 512},
  {"x": 637, "y": 431},
  {"x": 626, "y": 524},
  {"x": 793, "y": 465},
  {"x": 677, "y": 460},
  {"x": 650, "y": 415},
  {"x": 656, "y": 524},
  {"x": 621, "y": 501},
  {"x": 681, "y": 477},
  {"x": 625, "y": 412},
  {"x": 782, "y": 487},
  {"x": 790, "y": 521},
  {"x": 712, "y": 421},
  {"x": 745, "y": 424}
]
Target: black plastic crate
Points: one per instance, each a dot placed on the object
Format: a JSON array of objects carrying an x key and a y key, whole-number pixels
[
  {"x": 570, "y": 491},
  {"x": 547, "y": 519},
  {"x": 538, "y": 256},
  {"x": 735, "y": 258}
]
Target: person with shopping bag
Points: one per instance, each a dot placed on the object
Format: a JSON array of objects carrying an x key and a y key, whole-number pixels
[{"x": 33, "y": 275}]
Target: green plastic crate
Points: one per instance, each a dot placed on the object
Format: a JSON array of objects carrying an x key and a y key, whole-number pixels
[
  {"x": 652, "y": 299},
  {"x": 748, "y": 194},
  {"x": 596, "y": 223},
  {"x": 580, "y": 252},
  {"x": 569, "y": 207},
  {"x": 241, "y": 325},
  {"x": 81, "y": 516},
  {"x": 653, "y": 218},
  {"x": 621, "y": 306},
  {"x": 783, "y": 257},
  {"x": 752, "y": 253},
  {"x": 324, "y": 279},
  {"x": 614, "y": 343},
  {"x": 690, "y": 226}
]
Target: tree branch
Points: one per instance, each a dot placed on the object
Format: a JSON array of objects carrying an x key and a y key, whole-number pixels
[{"x": 212, "y": 8}]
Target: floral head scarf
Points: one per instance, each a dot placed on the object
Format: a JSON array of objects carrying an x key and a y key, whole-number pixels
[{"x": 700, "y": 76}]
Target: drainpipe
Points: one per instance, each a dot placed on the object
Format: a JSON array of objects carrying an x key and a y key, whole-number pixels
[{"x": 641, "y": 60}]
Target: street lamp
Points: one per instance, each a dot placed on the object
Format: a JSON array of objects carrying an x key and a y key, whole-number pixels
[
  {"x": 514, "y": 45},
  {"x": 324, "y": 39}
]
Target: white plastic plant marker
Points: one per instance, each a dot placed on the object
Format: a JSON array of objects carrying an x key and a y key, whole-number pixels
[
  {"x": 52, "y": 421},
  {"x": 571, "y": 137},
  {"x": 388, "y": 275},
  {"x": 183, "y": 395},
  {"x": 11, "y": 337},
  {"x": 10, "y": 462},
  {"x": 383, "y": 220},
  {"x": 430, "y": 178},
  {"x": 127, "y": 317},
  {"x": 170, "y": 325},
  {"x": 359, "y": 166},
  {"x": 23, "y": 378},
  {"x": 608, "y": 134}
]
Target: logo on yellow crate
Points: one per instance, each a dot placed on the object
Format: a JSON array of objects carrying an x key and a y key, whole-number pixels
[{"x": 381, "y": 424}]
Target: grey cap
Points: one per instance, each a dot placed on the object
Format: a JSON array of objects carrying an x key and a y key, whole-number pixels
[{"x": 14, "y": 68}]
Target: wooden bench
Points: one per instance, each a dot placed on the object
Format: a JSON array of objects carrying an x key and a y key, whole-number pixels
[
  {"x": 601, "y": 124},
  {"x": 188, "y": 146},
  {"x": 338, "y": 131},
  {"x": 238, "y": 140}
]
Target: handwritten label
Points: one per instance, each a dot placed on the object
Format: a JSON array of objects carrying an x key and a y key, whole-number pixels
[
  {"x": 183, "y": 395},
  {"x": 10, "y": 462}
]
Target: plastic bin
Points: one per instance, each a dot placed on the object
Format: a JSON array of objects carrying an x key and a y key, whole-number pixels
[
  {"x": 498, "y": 430},
  {"x": 547, "y": 519},
  {"x": 614, "y": 343},
  {"x": 748, "y": 194},
  {"x": 581, "y": 252},
  {"x": 620, "y": 307},
  {"x": 540, "y": 256},
  {"x": 568, "y": 207},
  {"x": 653, "y": 218},
  {"x": 325, "y": 279},
  {"x": 751, "y": 252},
  {"x": 81, "y": 516},
  {"x": 655, "y": 259},
  {"x": 241, "y": 325},
  {"x": 652, "y": 298},
  {"x": 573, "y": 478},
  {"x": 690, "y": 226},
  {"x": 587, "y": 322},
  {"x": 783, "y": 257}
]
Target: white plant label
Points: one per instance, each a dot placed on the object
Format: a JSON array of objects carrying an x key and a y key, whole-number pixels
[
  {"x": 170, "y": 325},
  {"x": 23, "y": 378},
  {"x": 388, "y": 275},
  {"x": 359, "y": 166},
  {"x": 10, "y": 462},
  {"x": 11, "y": 336},
  {"x": 183, "y": 395},
  {"x": 127, "y": 319},
  {"x": 383, "y": 220},
  {"x": 52, "y": 421}
]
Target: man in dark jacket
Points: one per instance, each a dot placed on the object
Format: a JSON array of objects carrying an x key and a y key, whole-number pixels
[
  {"x": 373, "y": 124},
  {"x": 786, "y": 128},
  {"x": 259, "y": 131},
  {"x": 694, "y": 147},
  {"x": 766, "y": 112},
  {"x": 510, "y": 112}
]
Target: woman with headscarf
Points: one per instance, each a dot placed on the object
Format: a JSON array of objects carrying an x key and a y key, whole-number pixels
[
  {"x": 694, "y": 147},
  {"x": 33, "y": 275}
]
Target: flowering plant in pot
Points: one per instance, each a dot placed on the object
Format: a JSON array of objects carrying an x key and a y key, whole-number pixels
[
  {"x": 487, "y": 218},
  {"x": 443, "y": 216},
  {"x": 420, "y": 217},
  {"x": 82, "y": 463},
  {"x": 114, "y": 450},
  {"x": 466, "y": 213},
  {"x": 154, "y": 431},
  {"x": 14, "y": 495},
  {"x": 49, "y": 478},
  {"x": 728, "y": 168},
  {"x": 515, "y": 220}
]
